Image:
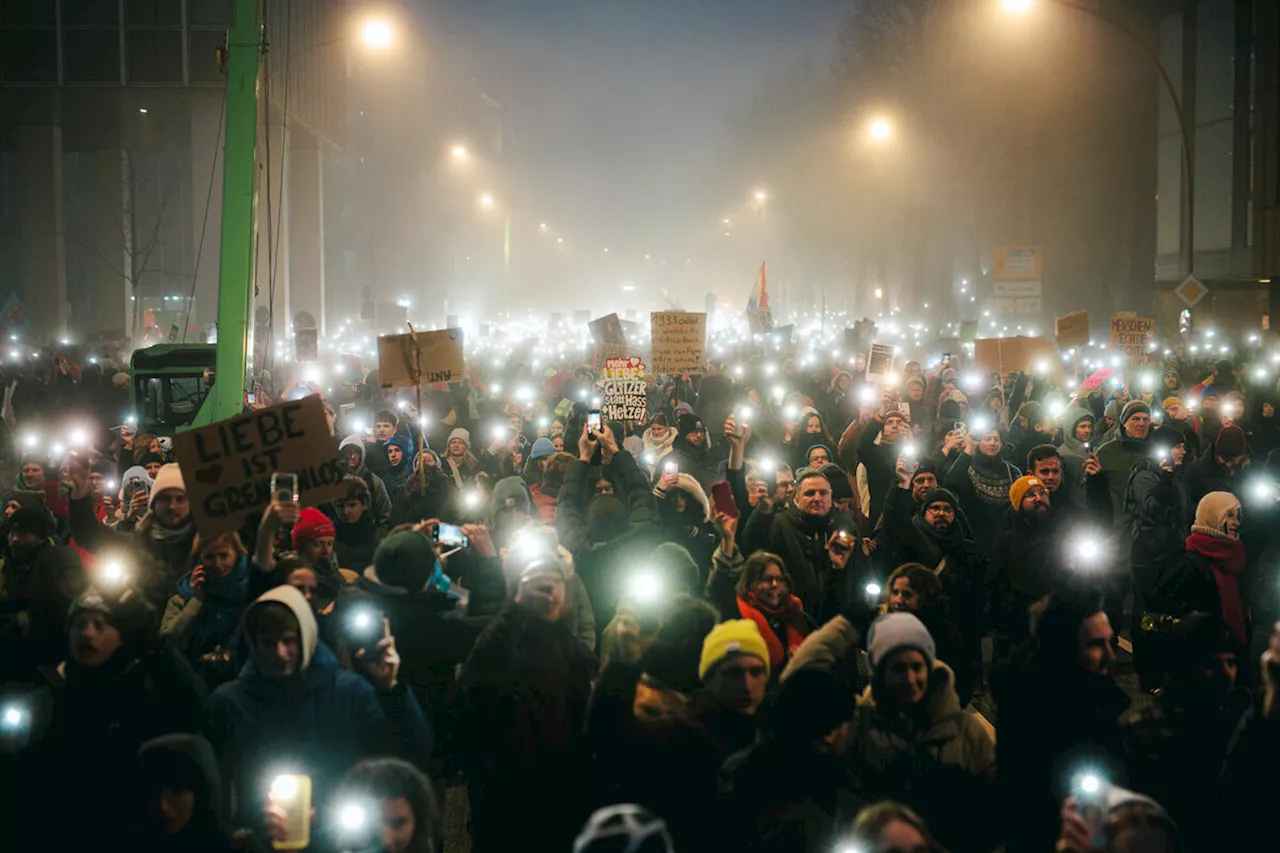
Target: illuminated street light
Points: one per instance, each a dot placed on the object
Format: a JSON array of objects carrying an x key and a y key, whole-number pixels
[
  {"x": 880, "y": 130},
  {"x": 377, "y": 33},
  {"x": 486, "y": 200},
  {"x": 542, "y": 226},
  {"x": 1018, "y": 7},
  {"x": 460, "y": 153},
  {"x": 761, "y": 196}
]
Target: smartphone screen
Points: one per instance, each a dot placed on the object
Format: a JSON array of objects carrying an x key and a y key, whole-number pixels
[
  {"x": 285, "y": 487},
  {"x": 594, "y": 421},
  {"x": 722, "y": 499},
  {"x": 292, "y": 793},
  {"x": 450, "y": 535}
]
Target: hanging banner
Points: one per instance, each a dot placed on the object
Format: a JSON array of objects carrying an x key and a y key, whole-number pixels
[{"x": 678, "y": 342}]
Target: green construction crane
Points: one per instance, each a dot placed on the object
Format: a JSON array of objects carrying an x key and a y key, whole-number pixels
[{"x": 172, "y": 385}]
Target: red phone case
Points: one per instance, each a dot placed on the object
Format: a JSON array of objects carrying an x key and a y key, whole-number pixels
[{"x": 722, "y": 499}]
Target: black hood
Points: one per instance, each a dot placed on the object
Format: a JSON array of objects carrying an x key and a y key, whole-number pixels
[{"x": 189, "y": 758}]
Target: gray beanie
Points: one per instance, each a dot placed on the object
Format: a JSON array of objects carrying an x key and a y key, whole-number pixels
[{"x": 894, "y": 631}]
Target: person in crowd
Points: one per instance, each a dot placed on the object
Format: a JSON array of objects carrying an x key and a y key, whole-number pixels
[
  {"x": 178, "y": 797},
  {"x": 460, "y": 465},
  {"x": 1156, "y": 500},
  {"x": 980, "y": 478},
  {"x": 878, "y": 450},
  {"x": 891, "y": 827},
  {"x": 912, "y": 588},
  {"x": 399, "y": 453},
  {"x": 28, "y": 554},
  {"x": 1129, "y": 822},
  {"x": 1029, "y": 559},
  {"x": 201, "y": 617},
  {"x": 1218, "y": 469},
  {"x": 910, "y": 741},
  {"x": 161, "y": 545},
  {"x": 355, "y": 533},
  {"x": 799, "y": 534},
  {"x": 353, "y": 449},
  {"x": 1075, "y": 495},
  {"x": 734, "y": 669},
  {"x": 922, "y": 477},
  {"x": 398, "y": 807},
  {"x": 658, "y": 438},
  {"x": 1059, "y": 707},
  {"x": 690, "y": 452},
  {"x": 1174, "y": 747},
  {"x": 758, "y": 589},
  {"x": 377, "y": 454},
  {"x": 526, "y": 686},
  {"x": 312, "y": 538},
  {"x": 292, "y": 706},
  {"x": 1033, "y": 426},
  {"x": 546, "y": 491},
  {"x": 684, "y": 514},
  {"x": 116, "y": 688},
  {"x": 1243, "y": 797},
  {"x": 1207, "y": 577},
  {"x": 428, "y": 493},
  {"x": 1117, "y": 456},
  {"x": 625, "y": 826}
]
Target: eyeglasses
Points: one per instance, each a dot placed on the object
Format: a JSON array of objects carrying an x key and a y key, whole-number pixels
[{"x": 773, "y": 580}]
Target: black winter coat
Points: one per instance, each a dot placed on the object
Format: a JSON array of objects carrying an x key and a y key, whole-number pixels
[
  {"x": 801, "y": 541},
  {"x": 1157, "y": 501}
]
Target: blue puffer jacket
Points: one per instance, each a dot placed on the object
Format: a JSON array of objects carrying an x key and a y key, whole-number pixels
[
  {"x": 319, "y": 722},
  {"x": 225, "y": 600}
]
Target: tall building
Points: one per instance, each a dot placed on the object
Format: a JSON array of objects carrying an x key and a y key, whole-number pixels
[
  {"x": 111, "y": 126},
  {"x": 1221, "y": 58}
]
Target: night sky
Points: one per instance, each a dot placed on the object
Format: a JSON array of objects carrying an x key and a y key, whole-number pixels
[{"x": 616, "y": 108}]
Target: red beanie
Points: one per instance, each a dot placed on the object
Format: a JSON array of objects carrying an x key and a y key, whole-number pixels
[{"x": 311, "y": 524}]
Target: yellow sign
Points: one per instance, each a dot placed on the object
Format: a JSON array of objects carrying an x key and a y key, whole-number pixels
[
  {"x": 1018, "y": 263},
  {"x": 678, "y": 342}
]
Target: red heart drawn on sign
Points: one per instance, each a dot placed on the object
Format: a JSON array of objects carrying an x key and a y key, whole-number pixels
[
  {"x": 635, "y": 361},
  {"x": 208, "y": 476}
]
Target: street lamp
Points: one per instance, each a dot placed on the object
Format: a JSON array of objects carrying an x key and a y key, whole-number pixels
[
  {"x": 880, "y": 130},
  {"x": 761, "y": 196},
  {"x": 486, "y": 200},
  {"x": 1018, "y": 7},
  {"x": 377, "y": 33},
  {"x": 459, "y": 153}
]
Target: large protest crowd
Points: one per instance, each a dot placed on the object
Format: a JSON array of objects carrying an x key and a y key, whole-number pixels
[{"x": 790, "y": 610}]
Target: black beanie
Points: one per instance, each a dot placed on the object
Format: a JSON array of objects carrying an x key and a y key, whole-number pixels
[
  {"x": 690, "y": 422},
  {"x": 30, "y": 519},
  {"x": 925, "y": 466},
  {"x": 606, "y": 518},
  {"x": 841, "y": 489},
  {"x": 939, "y": 495}
]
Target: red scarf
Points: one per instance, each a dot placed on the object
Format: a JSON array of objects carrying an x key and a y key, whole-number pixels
[
  {"x": 791, "y": 614},
  {"x": 1226, "y": 560}
]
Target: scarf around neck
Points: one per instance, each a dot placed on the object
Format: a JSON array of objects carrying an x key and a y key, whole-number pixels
[
  {"x": 790, "y": 617},
  {"x": 1226, "y": 560}
]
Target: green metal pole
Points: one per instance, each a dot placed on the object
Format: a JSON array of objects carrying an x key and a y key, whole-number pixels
[{"x": 235, "y": 274}]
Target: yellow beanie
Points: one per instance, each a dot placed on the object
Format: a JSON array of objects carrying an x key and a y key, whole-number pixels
[
  {"x": 735, "y": 637},
  {"x": 1170, "y": 402},
  {"x": 1019, "y": 489}
]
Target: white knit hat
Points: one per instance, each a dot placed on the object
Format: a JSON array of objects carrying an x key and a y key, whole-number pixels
[
  {"x": 462, "y": 435},
  {"x": 894, "y": 631},
  {"x": 168, "y": 477}
]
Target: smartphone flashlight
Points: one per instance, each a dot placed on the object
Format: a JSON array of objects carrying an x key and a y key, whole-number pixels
[
  {"x": 746, "y": 414},
  {"x": 909, "y": 451},
  {"x": 14, "y": 717},
  {"x": 112, "y": 572},
  {"x": 671, "y": 468},
  {"x": 873, "y": 589},
  {"x": 1088, "y": 550},
  {"x": 644, "y": 587},
  {"x": 352, "y": 817},
  {"x": 866, "y": 395}
]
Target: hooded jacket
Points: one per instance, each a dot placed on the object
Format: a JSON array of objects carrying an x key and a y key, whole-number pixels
[
  {"x": 380, "y": 501},
  {"x": 190, "y": 757},
  {"x": 197, "y": 625},
  {"x": 320, "y": 721},
  {"x": 692, "y": 530},
  {"x": 162, "y": 555},
  {"x": 394, "y": 476},
  {"x": 1117, "y": 458}
]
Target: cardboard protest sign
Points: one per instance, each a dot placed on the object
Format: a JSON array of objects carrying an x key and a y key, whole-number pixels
[
  {"x": 761, "y": 320},
  {"x": 439, "y": 358},
  {"x": 227, "y": 466},
  {"x": 624, "y": 397},
  {"x": 1072, "y": 330},
  {"x": 611, "y": 340},
  {"x": 1006, "y": 355},
  {"x": 679, "y": 342},
  {"x": 879, "y": 362},
  {"x": 1132, "y": 335}
]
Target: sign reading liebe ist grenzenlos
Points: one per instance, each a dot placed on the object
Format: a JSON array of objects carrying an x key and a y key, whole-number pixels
[{"x": 227, "y": 466}]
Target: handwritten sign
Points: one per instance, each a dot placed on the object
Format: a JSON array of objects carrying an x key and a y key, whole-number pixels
[
  {"x": 624, "y": 398},
  {"x": 1132, "y": 335},
  {"x": 306, "y": 344},
  {"x": 679, "y": 342},
  {"x": 228, "y": 465},
  {"x": 439, "y": 358}
]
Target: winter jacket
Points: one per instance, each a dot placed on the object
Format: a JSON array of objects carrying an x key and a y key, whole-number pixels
[
  {"x": 1157, "y": 502},
  {"x": 354, "y": 544},
  {"x": 1117, "y": 458},
  {"x": 1028, "y": 563},
  {"x": 525, "y": 690},
  {"x": 1206, "y": 475},
  {"x": 379, "y": 500},
  {"x": 191, "y": 756},
  {"x": 801, "y": 541},
  {"x": 320, "y": 721},
  {"x": 199, "y": 624},
  {"x": 879, "y": 461},
  {"x": 86, "y": 717},
  {"x": 936, "y": 759}
]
